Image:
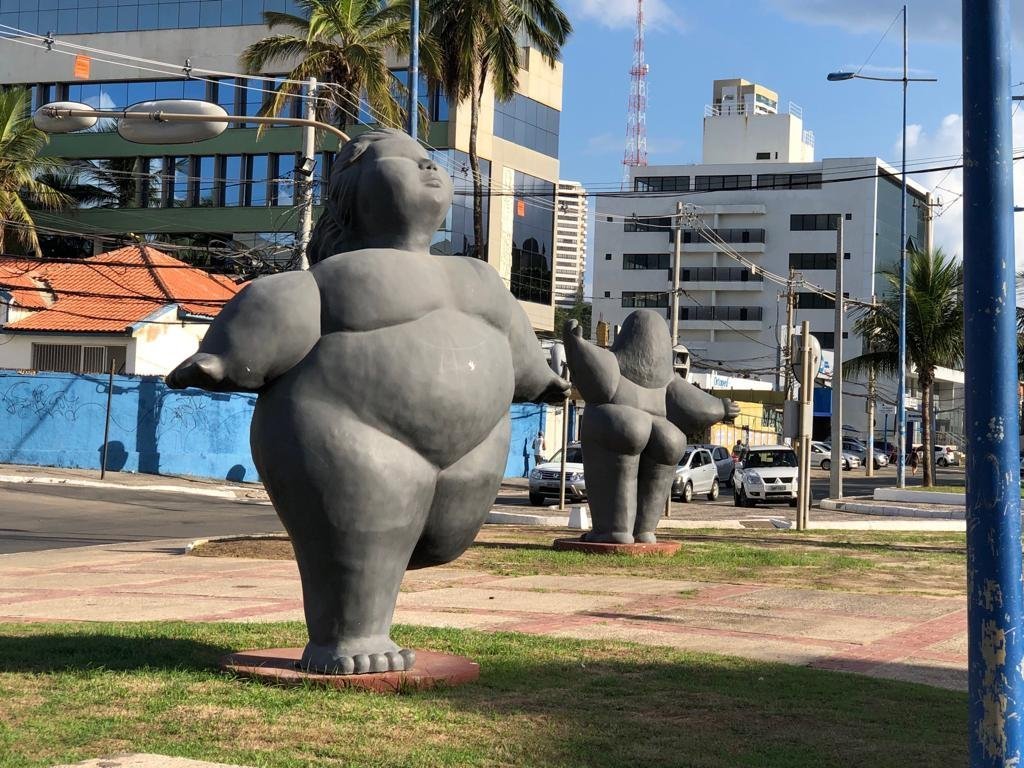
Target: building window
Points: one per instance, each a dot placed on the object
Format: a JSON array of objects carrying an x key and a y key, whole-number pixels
[
  {"x": 827, "y": 339},
  {"x": 644, "y": 299},
  {"x": 647, "y": 224},
  {"x": 607, "y": 257},
  {"x": 732, "y": 235},
  {"x": 724, "y": 314},
  {"x": 812, "y": 260},
  {"x": 718, "y": 275},
  {"x": 528, "y": 123},
  {"x": 789, "y": 181},
  {"x": 646, "y": 260},
  {"x": 814, "y": 301},
  {"x": 720, "y": 183},
  {"x": 661, "y": 184},
  {"x": 762, "y": 156},
  {"x": 533, "y": 231},
  {"x": 78, "y": 358},
  {"x": 813, "y": 222}
]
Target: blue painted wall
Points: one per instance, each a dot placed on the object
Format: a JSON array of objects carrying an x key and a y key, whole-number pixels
[{"x": 57, "y": 419}]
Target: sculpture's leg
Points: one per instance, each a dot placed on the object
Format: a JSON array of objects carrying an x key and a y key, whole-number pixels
[
  {"x": 654, "y": 483},
  {"x": 463, "y": 497},
  {"x": 355, "y": 502}
]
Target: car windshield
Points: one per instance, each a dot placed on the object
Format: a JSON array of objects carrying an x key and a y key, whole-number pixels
[
  {"x": 777, "y": 458},
  {"x": 574, "y": 455},
  {"x": 686, "y": 458}
]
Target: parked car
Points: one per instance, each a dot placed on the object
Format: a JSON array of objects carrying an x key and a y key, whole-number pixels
[
  {"x": 946, "y": 455},
  {"x": 821, "y": 457},
  {"x": 857, "y": 448},
  {"x": 724, "y": 461},
  {"x": 545, "y": 479},
  {"x": 769, "y": 474},
  {"x": 696, "y": 473}
]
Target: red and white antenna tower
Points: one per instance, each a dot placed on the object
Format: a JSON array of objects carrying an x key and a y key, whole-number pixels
[{"x": 636, "y": 117}]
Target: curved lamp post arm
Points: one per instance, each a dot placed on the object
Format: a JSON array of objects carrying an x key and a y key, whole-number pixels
[{"x": 161, "y": 116}]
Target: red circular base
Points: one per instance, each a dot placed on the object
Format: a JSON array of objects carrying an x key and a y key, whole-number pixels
[
  {"x": 663, "y": 548},
  {"x": 280, "y": 666}
]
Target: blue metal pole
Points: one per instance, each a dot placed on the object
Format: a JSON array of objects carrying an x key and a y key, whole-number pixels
[
  {"x": 901, "y": 375},
  {"x": 414, "y": 69},
  {"x": 994, "y": 608}
]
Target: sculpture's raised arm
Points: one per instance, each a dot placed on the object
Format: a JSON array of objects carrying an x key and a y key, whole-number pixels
[
  {"x": 259, "y": 335},
  {"x": 535, "y": 381},
  {"x": 691, "y": 409},
  {"x": 596, "y": 370}
]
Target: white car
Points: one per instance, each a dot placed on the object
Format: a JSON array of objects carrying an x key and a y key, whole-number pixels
[
  {"x": 696, "y": 473},
  {"x": 545, "y": 479},
  {"x": 769, "y": 475},
  {"x": 945, "y": 455},
  {"x": 821, "y": 457}
]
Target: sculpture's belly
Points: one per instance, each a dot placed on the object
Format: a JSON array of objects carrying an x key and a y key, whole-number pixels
[{"x": 438, "y": 384}]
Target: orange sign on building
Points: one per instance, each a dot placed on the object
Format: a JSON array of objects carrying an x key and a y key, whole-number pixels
[
  {"x": 520, "y": 208},
  {"x": 82, "y": 66}
]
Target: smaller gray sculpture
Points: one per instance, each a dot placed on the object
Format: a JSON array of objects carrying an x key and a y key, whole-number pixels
[{"x": 634, "y": 425}]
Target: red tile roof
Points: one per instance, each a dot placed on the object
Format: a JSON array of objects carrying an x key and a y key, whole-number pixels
[{"x": 109, "y": 292}]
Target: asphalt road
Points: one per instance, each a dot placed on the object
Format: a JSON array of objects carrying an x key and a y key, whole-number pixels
[{"x": 40, "y": 517}]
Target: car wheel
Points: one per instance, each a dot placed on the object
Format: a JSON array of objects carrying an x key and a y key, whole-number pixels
[
  {"x": 826, "y": 464},
  {"x": 713, "y": 493},
  {"x": 942, "y": 462},
  {"x": 537, "y": 499},
  {"x": 737, "y": 498},
  {"x": 878, "y": 465},
  {"x": 688, "y": 492},
  {"x": 792, "y": 502},
  {"x": 731, "y": 482}
]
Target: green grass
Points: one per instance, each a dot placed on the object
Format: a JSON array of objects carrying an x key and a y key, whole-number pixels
[
  {"x": 73, "y": 692},
  {"x": 947, "y": 489}
]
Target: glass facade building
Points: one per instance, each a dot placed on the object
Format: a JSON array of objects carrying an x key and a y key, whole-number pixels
[
  {"x": 82, "y": 17},
  {"x": 533, "y": 239},
  {"x": 528, "y": 123}
]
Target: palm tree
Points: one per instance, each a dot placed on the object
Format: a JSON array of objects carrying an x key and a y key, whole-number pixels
[
  {"x": 20, "y": 169},
  {"x": 935, "y": 330},
  {"x": 345, "y": 43},
  {"x": 479, "y": 41}
]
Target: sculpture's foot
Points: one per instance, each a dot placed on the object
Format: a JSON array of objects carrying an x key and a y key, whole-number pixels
[
  {"x": 645, "y": 538},
  {"x": 357, "y": 657},
  {"x": 607, "y": 538}
]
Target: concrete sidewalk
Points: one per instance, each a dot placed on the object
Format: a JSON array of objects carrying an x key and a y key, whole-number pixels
[{"x": 917, "y": 639}]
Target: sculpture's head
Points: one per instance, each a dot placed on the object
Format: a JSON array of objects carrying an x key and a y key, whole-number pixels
[
  {"x": 385, "y": 191},
  {"x": 644, "y": 349}
]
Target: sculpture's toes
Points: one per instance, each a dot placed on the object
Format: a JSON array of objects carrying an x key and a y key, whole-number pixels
[
  {"x": 645, "y": 538},
  {"x": 334, "y": 660}
]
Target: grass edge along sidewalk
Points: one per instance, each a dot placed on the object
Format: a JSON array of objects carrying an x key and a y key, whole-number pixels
[{"x": 78, "y": 691}]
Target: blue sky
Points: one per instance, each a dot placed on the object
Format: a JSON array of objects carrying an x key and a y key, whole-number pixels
[{"x": 789, "y": 46}]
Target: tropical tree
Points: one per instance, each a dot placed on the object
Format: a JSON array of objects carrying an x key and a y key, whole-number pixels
[
  {"x": 345, "y": 43},
  {"x": 935, "y": 330},
  {"x": 479, "y": 41},
  {"x": 20, "y": 170}
]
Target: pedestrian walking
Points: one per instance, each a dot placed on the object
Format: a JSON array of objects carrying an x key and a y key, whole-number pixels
[
  {"x": 538, "y": 448},
  {"x": 913, "y": 461}
]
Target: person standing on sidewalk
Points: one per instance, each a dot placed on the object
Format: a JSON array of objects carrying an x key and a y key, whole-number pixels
[
  {"x": 538, "y": 448},
  {"x": 913, "y": 461}
]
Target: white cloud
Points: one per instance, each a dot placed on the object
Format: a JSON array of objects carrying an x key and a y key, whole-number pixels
[
  {"x": 605, "y": 144},
  {"x": 617, "y": 14},
  {"x": 943, "y": 146},
  {"x": 927, "y": 19}
]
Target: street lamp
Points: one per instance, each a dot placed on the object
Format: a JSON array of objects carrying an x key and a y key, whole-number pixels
[
  {"x": 901, "y": 376},
  {"x": 187, "y": 121}
]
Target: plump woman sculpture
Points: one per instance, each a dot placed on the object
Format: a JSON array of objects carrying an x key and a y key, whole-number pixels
[
  {"x": 634, "y": 426},
  {"x": 385, "y": 376}
]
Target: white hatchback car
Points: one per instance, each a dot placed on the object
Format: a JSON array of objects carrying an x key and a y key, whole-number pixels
[
  {"x": 696, "y": 473},
  {"x": 546, "y": 478},
  {"x": 769, "y": 474}
]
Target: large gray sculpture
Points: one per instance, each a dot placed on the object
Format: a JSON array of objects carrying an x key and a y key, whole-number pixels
[
  {"x": 385, "y": 376},
  {"x": 634, "y": 425}
]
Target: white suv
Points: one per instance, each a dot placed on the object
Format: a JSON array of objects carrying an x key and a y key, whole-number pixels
[{"x": 769, "y": 475}]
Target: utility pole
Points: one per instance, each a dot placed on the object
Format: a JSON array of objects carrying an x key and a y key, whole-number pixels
[
  {"x": 869, "y": 470},
  {"x": 806, "y": 417},
  {"x": 677, "y": 258},
  {"x": 835, "y": 483},
  {"x": 995, "y": 604},
  {"x": 790, "y": 307},
  {"x": 414, "y": 69},
  {"x": 305, "y": 187}
]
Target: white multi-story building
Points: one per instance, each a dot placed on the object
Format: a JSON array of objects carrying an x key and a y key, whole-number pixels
[
  {"x": 779, "y": 216},
  {"x": 570, "y": 242}
]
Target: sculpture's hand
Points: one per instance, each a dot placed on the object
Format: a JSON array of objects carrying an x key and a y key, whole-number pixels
[
  {"x": 732, "y": 410},
  {"x": 572, "y": 327},
  {"x": 556, "y": 390},
  {"x": 201, "y": 370}
]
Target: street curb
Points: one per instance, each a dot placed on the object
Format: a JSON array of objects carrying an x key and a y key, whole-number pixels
[
  {"x": 218, "y": 493},
  {"x": 883, "y": 510},
  {"x": 235, "y": 537}
]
